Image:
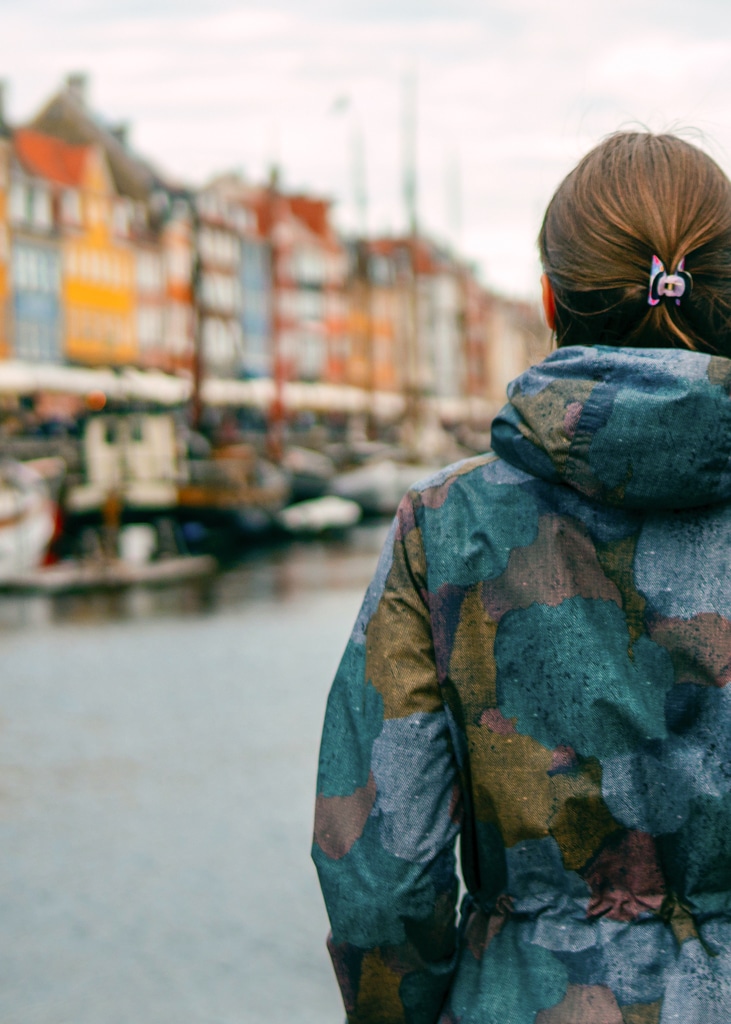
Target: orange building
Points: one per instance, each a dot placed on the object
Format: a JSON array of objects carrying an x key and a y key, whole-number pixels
[
  {"x": 381, "y": 311},
  {"x": 176, "y": 245},
  {"x": 96, "y": 224}
]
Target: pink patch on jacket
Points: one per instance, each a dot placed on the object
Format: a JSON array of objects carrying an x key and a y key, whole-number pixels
[
  {"x": 496, "y": 721},
  {"x": 340, "y": 820},
  {"x": 625, "y": 878},
  {"x": 571, "y": 418},
  {"x": 560, "y": 563},
  {"x": 583, "y": 1004}
]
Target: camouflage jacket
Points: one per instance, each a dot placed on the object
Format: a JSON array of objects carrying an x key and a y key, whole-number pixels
[{"x": 539, "y": 668}]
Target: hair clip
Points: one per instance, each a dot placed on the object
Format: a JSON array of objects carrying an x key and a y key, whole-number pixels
[{"x": 672, "y": 285}]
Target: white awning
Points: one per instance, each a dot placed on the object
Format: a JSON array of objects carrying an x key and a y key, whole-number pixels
[
  {"x": 155, "y": 386},
  {"x": 258, "y": 393},
  {"x": 20, "y": 378},
  {"x": 130, "y": 384}
]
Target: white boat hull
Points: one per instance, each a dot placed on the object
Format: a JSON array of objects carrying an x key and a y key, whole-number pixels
[
  {"x": 26, "y": 520},
  {"x": 379, "y": 486},
  {"x": 320, "y": 514}
]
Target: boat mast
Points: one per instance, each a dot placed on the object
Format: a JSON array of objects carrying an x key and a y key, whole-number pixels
[
  {"x": 363, "y": 265},
  {"x": 453, "y": 183},
  {"x": 412, "y": 389},
  {"x": 275, "y": 424},
  {"x": 196, "y": 404}
]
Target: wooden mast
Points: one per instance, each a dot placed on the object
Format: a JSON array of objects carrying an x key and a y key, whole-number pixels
[
  {"x": 275, "y": 422},
  {"x": 196, "y": 405},
  {"x": 413, "y": 384}
]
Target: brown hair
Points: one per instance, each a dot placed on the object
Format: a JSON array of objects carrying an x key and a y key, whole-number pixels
[{"x": 634, "y": 195}]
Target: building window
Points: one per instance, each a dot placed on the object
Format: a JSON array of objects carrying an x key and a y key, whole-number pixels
[
  {"x": 312, "y": 356},
  {"x": 149, "y": 275},
  {"x": 36, "y": 340},
  {"x": 71, "y": 206},
  {"x": 17, "y": 202},
  {"x": 40, "y": 211},
  {"x": 179, "y": 266},
  {"x": 177, "y": 328},
  {"x": 121, "y": 218},
  {"x": 35, "y": 269}
]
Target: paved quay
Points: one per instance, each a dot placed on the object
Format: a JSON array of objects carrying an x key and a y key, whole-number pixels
[{"x": 157, "y": 771}]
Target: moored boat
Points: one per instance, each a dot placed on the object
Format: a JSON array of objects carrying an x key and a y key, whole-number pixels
[
  {"x": 234, "y": 488},
  {"x": 76, "y": 575},
  {"x": 320, "y": 515},
  {"x": 27, "y": 517},
  {"x": 379, "y": 486}
]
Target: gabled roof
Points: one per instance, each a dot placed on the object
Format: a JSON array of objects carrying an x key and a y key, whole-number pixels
[
  {"x": 314, "y": 212},
  {"x": 308, "y": 216},
  {"x": 46, "y": 157},
  {"x": 66, "y": 117},
  {"x": 429, "y": 258}
]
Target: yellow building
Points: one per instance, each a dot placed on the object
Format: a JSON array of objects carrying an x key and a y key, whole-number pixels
[{"x": 95, "y": 225}]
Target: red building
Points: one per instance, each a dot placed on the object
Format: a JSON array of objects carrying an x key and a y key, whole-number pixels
[{"x": 310, "y": 311}]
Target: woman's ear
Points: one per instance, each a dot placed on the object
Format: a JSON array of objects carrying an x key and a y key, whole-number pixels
[{"x": 549, "y": 302}]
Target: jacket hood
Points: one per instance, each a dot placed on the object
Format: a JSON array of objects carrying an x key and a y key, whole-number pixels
[{"x": 629, "y": 427}]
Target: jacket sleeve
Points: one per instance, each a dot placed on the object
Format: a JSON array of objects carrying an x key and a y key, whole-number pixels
[{"x": 387, "y": 802}]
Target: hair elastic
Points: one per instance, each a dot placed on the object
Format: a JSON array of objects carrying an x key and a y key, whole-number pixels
[{"x": 663, "y": 284}]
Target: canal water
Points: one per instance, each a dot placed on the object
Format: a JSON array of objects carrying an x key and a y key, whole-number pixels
[{"x": 158, "y": 755}]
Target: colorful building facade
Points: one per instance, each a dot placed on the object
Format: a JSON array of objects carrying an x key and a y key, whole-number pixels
[
  {"x": 34, "y": 309},
  {"x": 177, "y": 254},
  {"x": 69, "y": 191},
  {"x": 104, "y": 263},
  {"x": 256, "y": 315}
]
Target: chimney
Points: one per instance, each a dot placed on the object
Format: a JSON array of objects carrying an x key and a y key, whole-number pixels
[
  {"x": 121, "y": 132},
  {"x": 77, "y": 84}
]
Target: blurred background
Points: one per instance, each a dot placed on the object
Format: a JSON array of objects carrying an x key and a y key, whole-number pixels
[{"x": 261, "y": 268}]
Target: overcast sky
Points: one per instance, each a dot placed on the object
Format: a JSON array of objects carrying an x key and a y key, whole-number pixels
[{"x": 510, "y": 93}]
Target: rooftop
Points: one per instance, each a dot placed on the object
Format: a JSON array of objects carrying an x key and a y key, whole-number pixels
[{"x": 45, "y": 157}]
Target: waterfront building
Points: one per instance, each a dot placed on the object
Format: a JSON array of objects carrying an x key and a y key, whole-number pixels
[
  {"x": 299, "y": 297},
  {"x": 105, "y": 262},
  {"x": 518, "y": 338},
  {"x": 376, "y": 309},
  {"x": 384, "y": 317},
  {"x": 150, "y": 303},
  {"x": 254, "y": 273},
  {"x": 95, "y": 227},
  {"x": 153, "y": 221},
  {"x": 256, "y": 301},
  {"x": 309, "y": 307},
  {"x": 219, "y": 226},
  {"x": 34, "y": 314},
  {"x": 477, "y": 304},
  {"x": 423, "y": 325},
  {"x": 440, "y": 323},
  {"x": 160, "y": 228},
  {"x": 355, "y": 363},
  {"x": 318, "y": 267},
  {"x": 395, "y": 352},
  {"x": 177, "y": 245}
]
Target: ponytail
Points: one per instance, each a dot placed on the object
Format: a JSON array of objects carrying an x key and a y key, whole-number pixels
[{"x": 636, "y": 196}]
